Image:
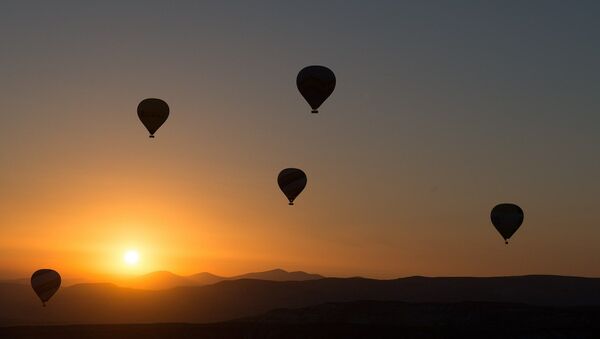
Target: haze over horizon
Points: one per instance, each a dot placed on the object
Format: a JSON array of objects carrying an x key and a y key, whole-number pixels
[{"x": 441, "y": 111}]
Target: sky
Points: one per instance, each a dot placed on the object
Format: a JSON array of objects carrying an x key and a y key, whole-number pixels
[{"x": 441, "y": 111}]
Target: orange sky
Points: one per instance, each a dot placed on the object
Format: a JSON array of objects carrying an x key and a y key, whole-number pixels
[{"x": 419, "y": 141}]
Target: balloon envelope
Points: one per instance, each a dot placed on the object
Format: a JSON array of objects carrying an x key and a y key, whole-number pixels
[
  {"x": 153, "y": 113},
  {"x": 507, "y": 218},
  {"x": 45, "y": 283},
  {"x": 291, "y": 182},
  {"x": 315, "y": 83}
]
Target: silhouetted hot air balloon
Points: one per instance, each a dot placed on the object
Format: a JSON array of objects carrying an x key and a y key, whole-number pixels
[
  {"x": 153, "y": 113},
  {"x": 45, "y": 283},
  {"x": 315, "y": 83},
  {"x": 507, "y": 218},
  {"x": 291, "y": 182}
]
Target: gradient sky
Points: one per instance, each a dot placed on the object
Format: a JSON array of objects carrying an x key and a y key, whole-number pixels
[{"x": 442, "y": 110}]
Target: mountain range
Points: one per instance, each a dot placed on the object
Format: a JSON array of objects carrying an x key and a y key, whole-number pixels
[
  {"x": 161, "y": 280},
  {"x": 234, "y": 299},
  {"x": 164, "y": 279}
]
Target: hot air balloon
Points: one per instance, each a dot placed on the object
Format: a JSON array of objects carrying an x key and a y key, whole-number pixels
[
  {"x": 315, "y": 83},
  {"x": 507, "y": 218},
  {"x": 153, "y": 113},
  {"x": 45, "y": 283},
  {"x": 291, "y": 182}
]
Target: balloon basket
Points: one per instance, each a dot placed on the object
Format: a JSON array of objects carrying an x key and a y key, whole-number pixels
[{"x": 314, "y": 111}]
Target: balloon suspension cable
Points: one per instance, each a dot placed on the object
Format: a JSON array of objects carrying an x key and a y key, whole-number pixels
[
  {"x": 151, "y": 136},
  {"x": 314, "y": 111}
]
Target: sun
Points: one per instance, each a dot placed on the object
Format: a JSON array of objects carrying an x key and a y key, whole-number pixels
[{"x": 131, "y": 257}]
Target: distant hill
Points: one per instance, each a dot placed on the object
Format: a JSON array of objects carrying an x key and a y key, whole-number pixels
[
  {"x": 206, "y": 278},
  {"x": 165, "y": 280},
  {"x": 161, "y": 280},
  {"x": 231, "y": 299},
  {"x": 157, "y": 281},
  {"x": 279, "y": 275}
]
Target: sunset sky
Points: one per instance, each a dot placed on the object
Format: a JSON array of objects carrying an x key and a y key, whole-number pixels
[{"x": 442, "y": 110}]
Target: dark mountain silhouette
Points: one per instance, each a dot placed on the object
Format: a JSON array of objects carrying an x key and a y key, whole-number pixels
[
  {"x": 165, "y": 280},
  {"x": 157, "y": 281},
  {"x": 361, "y": 319},
  {"x": 231, "y": 299},
  {"x": 206, "y": 278},
  {"x": 279, "y": 275},
  {"x": 160, "y": 280}
]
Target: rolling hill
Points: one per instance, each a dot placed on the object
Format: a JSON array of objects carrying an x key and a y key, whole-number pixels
[
  {"x": 161, "y": 280},
  {"x": 278, "y": 275},
  {"x": 232, "y": 299},
  {"x": 165, "y": 280}
]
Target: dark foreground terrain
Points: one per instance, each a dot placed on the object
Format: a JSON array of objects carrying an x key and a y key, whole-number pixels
[{"x": 362, "y": 319}]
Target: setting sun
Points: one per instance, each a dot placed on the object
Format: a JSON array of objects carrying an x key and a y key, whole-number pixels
[{"x": 131, "y": 257}]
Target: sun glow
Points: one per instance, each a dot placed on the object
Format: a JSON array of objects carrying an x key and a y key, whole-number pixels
[{"x": 131, "y": 257}]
